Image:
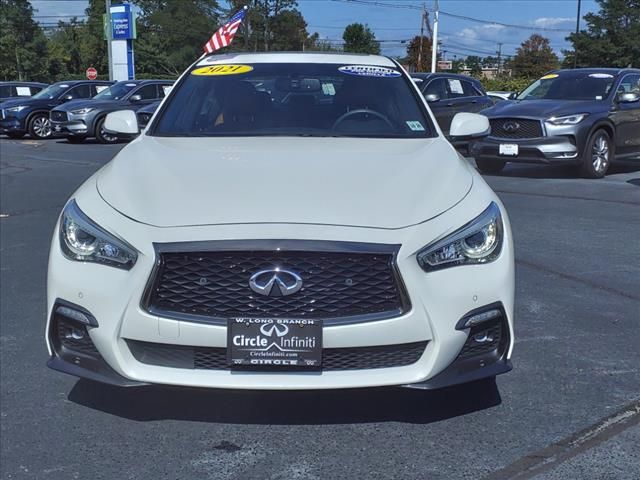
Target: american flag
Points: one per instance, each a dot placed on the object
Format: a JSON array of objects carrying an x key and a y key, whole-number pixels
[{"x": 225, "y": 34}]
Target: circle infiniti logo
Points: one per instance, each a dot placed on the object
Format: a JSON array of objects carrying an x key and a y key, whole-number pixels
[
  {"x": 268, "y": 329},
  {"x": 511, "y": 127},
  {"x": 275, "y": 282}
]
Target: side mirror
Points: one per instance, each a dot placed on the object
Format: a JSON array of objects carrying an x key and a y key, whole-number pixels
[
  {"x": 67, "y": 97},
  {"x": 432, "y": 97},
  {"x": 513, "y": 96},
  {"x": 135, "y": 98},
  {"x": 123, "y": 124},
  {"x": 628, "y": 97},
  {"x": 468, "y": 126}
]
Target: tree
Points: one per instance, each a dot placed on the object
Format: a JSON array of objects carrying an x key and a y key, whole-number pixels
[
  {"x": 270, "y": 25},
  {"x": 23, "y": 46},
  {"x": 413, "y": 51},
  {"x": 171, "y": 34},
  {"x": 534, "y": 57},
  {"x": 611, "y": 39},
  {"x": 474, "y": 64},
  {"x": 358, "y": 38}
]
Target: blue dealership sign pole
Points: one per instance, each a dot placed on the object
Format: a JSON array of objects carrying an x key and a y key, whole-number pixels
[{"x": 122, "y": 33}]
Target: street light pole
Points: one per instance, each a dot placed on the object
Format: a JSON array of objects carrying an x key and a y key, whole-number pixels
[
  {"x": 575, "y": 45},
  {"x": 434, "y": 43}
]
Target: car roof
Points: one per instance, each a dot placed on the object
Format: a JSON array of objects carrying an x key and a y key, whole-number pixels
[
  {"x": 298, "y": 57},
  {"x": 25, "y": 84},
  {"x": 428, "y": 75},
  {"x": 76, "y": 82},
  {"x": 146, "y": 80},
  {"x": 612, "y": 71}
]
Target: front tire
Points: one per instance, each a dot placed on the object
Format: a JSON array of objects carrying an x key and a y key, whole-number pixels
[
  {"x": 597, "y": 155},
  {"x": 40, "y": 126},
  {"x": 490, "y": 166},
  {"x": 102, "y": 136}
]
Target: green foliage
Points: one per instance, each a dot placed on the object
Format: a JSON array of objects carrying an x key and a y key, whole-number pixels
[
  {"x": 612, "y": 38},
  {"x": 474, "y": 63},
  {"x": 534, "y": 57},
  {"x": 506, "y": 84},
  {"x": 23, "y": 46},
  {"x": 413, "y": 52},
  {"x": 359, "y": 38},
  {"x": 171, "y": 34}
]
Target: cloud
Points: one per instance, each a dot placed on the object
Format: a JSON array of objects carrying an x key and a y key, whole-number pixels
[{"x": 551, "y": 22}]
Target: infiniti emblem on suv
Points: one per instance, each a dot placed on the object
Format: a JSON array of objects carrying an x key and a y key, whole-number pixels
[
  {"x": 275, "y": 282},
  {"x": 511, "y": 127}
]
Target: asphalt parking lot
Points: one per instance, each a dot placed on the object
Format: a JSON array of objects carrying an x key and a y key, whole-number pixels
[{"x": 570, "y": 409}]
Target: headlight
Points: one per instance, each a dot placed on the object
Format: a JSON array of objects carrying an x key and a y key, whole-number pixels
[
  {"x": 81, "y": 111},
  {"x": 479, "y": 241},
  {"x": 82, "y": 240},
  {"x": 568, "y": 119},
  {"x": 17, "y": 109}
]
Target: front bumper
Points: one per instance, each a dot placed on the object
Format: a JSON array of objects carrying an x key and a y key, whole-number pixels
[
  {"x": 438, "y": 301},
  {"x": 557, "y": 149},
  {"x": 12, "y": 124},
  {"x": 73, "y": 127}
]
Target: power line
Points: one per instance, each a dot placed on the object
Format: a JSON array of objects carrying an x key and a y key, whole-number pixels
[{"x": 453, "y": 15}]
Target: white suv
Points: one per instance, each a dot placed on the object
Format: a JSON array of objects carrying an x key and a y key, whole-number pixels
[{"x": 286, "y": 221}]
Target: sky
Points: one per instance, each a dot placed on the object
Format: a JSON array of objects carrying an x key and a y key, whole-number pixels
[{"x": 393, "y": 21}]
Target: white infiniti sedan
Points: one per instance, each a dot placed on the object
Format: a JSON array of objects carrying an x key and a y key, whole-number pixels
[{"x": 286, "y": 221}]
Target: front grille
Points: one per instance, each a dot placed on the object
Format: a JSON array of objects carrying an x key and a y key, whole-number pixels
[
  {"x": 58, "y": 116},
  {"x": 336, "y": 285},
  {"x": 515, "y": 128},
  {"x": 333, "y": 359}
]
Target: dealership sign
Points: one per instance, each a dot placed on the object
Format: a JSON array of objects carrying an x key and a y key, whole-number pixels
[{"x": 445, "y": 65}]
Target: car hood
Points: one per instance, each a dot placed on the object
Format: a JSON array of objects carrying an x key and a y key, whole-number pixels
[
  {"x": 31, "y": 102},
  {"x": 543, "y": 108},
  {"x": 378, "y": 183},
  {"x": 88, "y": 103}
]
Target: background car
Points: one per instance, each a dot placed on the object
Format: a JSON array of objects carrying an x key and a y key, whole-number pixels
[
  {"x": 585, "y": 117},
  {"x": 81, "y": 119},
  {"x": 19, "y": 89},
  {"x": 449, "y": 93},
  {"x": 145, "y": 113},
  {"x": 19, "y": 116}
]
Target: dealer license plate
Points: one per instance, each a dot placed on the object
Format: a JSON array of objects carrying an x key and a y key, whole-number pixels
[
  {"x": 274, "y": 342},
  {"x": 510, "y": 149}
]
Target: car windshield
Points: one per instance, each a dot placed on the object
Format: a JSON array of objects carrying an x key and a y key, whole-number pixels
[
  {"x": 573, "y": 85},
  {"x": 52, "y": 91},
  {"x": 300, "y": 99},
  {"x": 115, "y": 91}
]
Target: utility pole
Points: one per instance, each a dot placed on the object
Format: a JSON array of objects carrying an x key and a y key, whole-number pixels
[
  {"x": 107, "y": 5},
  {"x": 575, "y": 53},
  {"x": 422, "y": 19},
  {"x": 499, "y": 57},
  {"x": 434, "y": 41}
]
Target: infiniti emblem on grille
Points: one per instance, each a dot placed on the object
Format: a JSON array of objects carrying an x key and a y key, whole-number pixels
[
  {"x": 275, "y": 282},
  {"x": 511, "y": 127}
]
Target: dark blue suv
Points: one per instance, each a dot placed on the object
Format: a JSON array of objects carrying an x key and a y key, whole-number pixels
[
  {"x": 586, "y": 117},
  {"x": 31, "y": 115}
]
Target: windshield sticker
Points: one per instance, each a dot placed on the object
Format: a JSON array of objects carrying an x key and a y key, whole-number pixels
[
  {"x": 550, "y": 76},
  {"x": 415, "y": 125},
  {"x": 166, "y": 89},
  {"x": 130, "y": 84},
  {"x": 369, "y": 71},
  {"x": 100, "y": 88},
  {"x": 598, "y": 97},
  {"x": 600, "y": 75},
  {"x": 23, "y": 91},
  {"x": 455, "y": 86},
  {"x": 222, "y": 70},
  {"x": 328, "y": 89}
]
